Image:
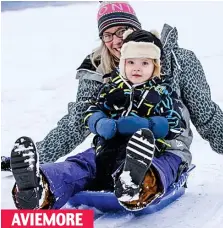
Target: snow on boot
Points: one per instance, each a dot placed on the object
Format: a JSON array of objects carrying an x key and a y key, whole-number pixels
[
  {"x": 139, "y": 154},
  {"x": 5, "y": 163},
  {"x": 25, "y": 169}
]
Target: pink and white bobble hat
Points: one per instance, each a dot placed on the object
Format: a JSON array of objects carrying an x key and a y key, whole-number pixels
[{"x": 116, "y": 13}]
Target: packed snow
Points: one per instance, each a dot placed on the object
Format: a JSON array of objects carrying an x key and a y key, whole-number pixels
[{"x": 41, "y": 49}]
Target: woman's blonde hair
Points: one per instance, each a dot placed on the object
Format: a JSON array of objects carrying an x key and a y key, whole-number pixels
[
  {"x": 157, "y": 68},
  {"x": 107, "y": 61}
]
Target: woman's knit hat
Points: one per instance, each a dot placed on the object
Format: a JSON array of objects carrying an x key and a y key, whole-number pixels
[
  {"x": 116, "y": 13},
  {"x": 141, "y": 44}
]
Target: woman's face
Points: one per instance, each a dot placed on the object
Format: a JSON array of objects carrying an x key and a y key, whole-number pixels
[{"x": 114, "y": 46}]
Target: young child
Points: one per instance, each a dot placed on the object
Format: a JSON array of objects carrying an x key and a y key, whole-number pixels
[{"x": 136, "y": 97}]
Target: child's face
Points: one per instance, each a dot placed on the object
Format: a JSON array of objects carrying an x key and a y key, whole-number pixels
[{"x": 139, "y": 70}]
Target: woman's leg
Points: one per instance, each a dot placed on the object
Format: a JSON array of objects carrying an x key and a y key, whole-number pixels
[
  {"x": 166, "y": 166},
  {"x": 62, "y": 180},
  {"x": 162, "y": 173},
  {"x": 69, "y": 177}
]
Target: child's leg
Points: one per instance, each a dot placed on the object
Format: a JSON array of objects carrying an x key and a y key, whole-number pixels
[{"x": 139, "y": 155}]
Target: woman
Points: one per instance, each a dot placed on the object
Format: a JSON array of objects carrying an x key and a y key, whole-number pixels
[{"x": 180, "y": 65}]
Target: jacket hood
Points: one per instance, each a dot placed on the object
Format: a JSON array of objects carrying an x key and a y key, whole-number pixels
[{"x": 169, "y": 39}]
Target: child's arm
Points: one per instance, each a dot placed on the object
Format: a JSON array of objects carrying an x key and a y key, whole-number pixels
[
  {"x": 96, "y": 117},
  {"x": 171, "y": 108},
  {"x": 97, "y": 106}
]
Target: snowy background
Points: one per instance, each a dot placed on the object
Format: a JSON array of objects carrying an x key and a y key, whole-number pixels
[
  {"x": 21, "y": 5},
  {"x": 41, "y": 49}
]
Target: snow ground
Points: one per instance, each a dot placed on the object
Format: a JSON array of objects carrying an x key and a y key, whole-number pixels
[{"x": 41, "y": 49}]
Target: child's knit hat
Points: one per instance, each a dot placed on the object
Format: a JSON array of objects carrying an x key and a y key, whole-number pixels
[
  {"x": 115, "y": 14},
  {"x": 141, "y": 44}
]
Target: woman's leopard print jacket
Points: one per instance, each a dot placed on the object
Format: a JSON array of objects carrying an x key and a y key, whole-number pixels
[{"x": 188, "y": 79}]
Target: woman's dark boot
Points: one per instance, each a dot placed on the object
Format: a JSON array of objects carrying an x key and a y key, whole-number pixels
[
  {"x": 5, "y": 163},
  {"x": 25, "y": 169}
]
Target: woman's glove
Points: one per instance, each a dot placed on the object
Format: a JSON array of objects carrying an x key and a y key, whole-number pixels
[{"x": 130, "y": 124}]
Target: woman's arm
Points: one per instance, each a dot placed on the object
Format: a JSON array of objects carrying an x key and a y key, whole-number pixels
[
  {"x": 205, "y": 114},
  {"x": 70, "y": 130}
]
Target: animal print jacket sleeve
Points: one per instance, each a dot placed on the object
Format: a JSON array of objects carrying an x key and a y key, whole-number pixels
[
  {"x": 205, "y": 114},
  {"x": 70, "y": 130},
  {"x": 188, "y": 76}
]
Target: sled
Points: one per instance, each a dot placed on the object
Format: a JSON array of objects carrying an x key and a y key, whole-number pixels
[{"x": 107, "y": 201}]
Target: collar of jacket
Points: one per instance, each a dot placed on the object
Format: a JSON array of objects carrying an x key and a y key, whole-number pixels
[{"x": 169, "y": 38}]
